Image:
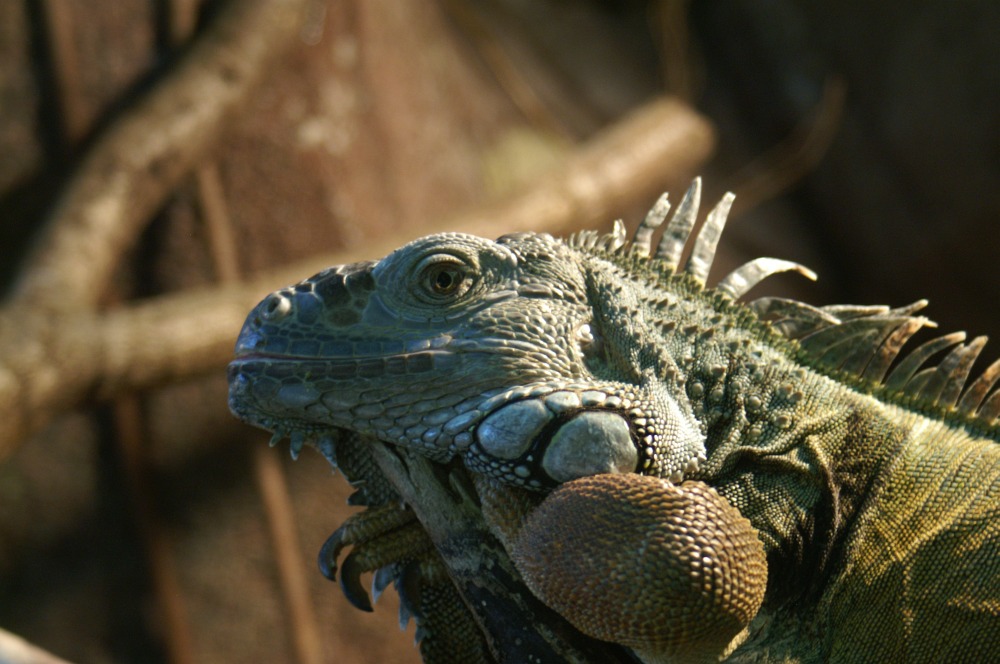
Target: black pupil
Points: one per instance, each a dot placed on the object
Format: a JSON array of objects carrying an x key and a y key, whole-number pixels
[{"x": 445, "y": 280}]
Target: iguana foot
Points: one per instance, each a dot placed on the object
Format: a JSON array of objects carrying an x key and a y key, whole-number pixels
[
  {"x": 389, "y": 541},
  {"x": 673, "y": 572},
  {"x": 384, "y": 539}
]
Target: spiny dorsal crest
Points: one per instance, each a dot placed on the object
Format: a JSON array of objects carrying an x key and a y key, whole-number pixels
[{"x": 861, "y": 341}]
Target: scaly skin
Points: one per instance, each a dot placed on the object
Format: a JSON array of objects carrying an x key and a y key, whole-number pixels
[{"x": 586, "y": 368}]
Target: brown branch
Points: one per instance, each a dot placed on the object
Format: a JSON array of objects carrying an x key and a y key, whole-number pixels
[
  {"x": 148, "y": 150},
  {"x": 272, "y": 485},
  {"x": 50, "y": 363},
  {"x": 674, "y": 43},
  {"x": 60, "y": 22},
  {"x": 271, "y": 482},
  {"x": 509, "y": 76},
  {"x": 130, "y": 432},
  {"x": 780, "y": 167}
]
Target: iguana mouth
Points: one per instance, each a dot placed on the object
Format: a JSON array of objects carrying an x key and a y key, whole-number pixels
[
  {"x": 343, "y": 368},
  {"x": 342, "y": 359}
]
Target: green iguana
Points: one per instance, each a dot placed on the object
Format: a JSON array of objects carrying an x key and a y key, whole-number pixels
[{"x": 671, "y": 469}]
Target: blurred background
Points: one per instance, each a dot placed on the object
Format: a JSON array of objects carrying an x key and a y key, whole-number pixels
[{"x": 862, "y": 139}]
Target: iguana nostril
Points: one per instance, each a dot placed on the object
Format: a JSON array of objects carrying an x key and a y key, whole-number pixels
[
  {"x": 360, "y": 282},
  {"x": 275, "y": 307}
]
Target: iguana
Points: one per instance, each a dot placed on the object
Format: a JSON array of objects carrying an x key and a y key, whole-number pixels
[{"x": 672, "y": 469}]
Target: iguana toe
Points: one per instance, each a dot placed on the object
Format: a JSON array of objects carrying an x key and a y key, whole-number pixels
[
  {"x": 389, "y": 541},
  {"x": 380, "y": 536},
  {"x": 350, "y": 582},
  {"x": 669, "y": 571}
]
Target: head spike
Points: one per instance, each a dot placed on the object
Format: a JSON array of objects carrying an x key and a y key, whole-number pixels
[
  {"x": 703, "y": 252},
  {"x": 738, "y": 282},
  {"x": 945, "y": 384},
  {"x": 642, "y": 241},
  {"x": 849, "y": 311},
  {"x": 792, "y": 318},
  {"x": 990, "y": 410},
  {"x": 618, "y": 236},
  {"x": 901, "y": 376},
  {"x": 586, "y": 239},
  {"x": 679, "y": 229},
  {"x": 890, "y": 347},
  {"x": 847, "y": 346},
  {"x": 979, "y": 388},
  {"x": 850, "y": 345},
  {"x": 298, "y": 439}
]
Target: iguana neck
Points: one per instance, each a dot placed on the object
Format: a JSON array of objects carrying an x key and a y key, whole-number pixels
[{"x": 773, "y": 450}]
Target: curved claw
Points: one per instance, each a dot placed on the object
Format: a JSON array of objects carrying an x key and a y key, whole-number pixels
[
  {"x": 383, "y": 540},
  {"x": 330, "y": 551},
  {"x": 350, "y": 582},
  {"x": 358, "y": 498},
  {"x": 408, "y": 585},
  {"x": 382, "y": 578}
]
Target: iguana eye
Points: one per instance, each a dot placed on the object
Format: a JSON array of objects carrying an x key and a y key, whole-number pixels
[{"x": 444, "y": 276}]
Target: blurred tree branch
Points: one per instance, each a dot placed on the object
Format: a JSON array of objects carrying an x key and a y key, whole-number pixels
[
  {"x": 15, "y": 650},
  {"x": 55, "y": 350},
  {"x": 51, "y": 361}
]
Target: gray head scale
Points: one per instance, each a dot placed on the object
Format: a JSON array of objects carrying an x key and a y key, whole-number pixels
[{"x": 457, "y": 345}]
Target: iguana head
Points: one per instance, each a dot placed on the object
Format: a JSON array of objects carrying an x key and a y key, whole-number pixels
[{"x": 456, "y": 345}]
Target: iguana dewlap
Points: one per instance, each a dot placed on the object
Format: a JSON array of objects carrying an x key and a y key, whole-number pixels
[{"x": 762, "y": 481}]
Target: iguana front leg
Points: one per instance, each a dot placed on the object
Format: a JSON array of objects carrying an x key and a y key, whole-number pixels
[
  {"x": 673, "y": 572},
  {"x": 387, "y": 539}
]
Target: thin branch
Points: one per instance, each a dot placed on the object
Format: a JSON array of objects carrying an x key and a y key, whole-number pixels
[
  {"x": 145, "y": 154},
  {"x": 674, "y": 42},
  {"x": 509, "y": 76},
  {"x": 132, "y": 438},
  {"x": 271, "y": 482},
  {"x": 60, "y": 22},
  {"x": 272, "y": 486},
  {"x": 777, "y": 170}
]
